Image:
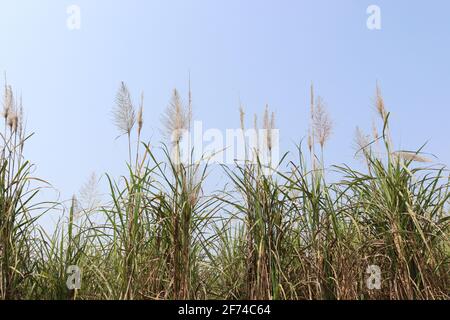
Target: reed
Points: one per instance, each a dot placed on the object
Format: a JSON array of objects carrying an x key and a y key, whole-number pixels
[
  {"x": 291, "y": 234},
  {"x": 18, "y": 189}
]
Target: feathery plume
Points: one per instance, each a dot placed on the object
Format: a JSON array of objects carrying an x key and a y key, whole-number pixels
[
  {"x": 270, "y": 132},
  {"x": 140, "y": 117},
  {"x": 13, "y": 120},
  {"x": 269, "y": 126},
  {"x": 124, "y": 114},
  {"x": 242, "y": 117},
  {"x": 242, "y": 121},
  {"x": 255, "y": 127},
  {"x": 323, "y": 125},
  {"x": 8, "y": 102},
  {"x": 383, "y": 113},
  {"x": 379, "y": 103},
  {"x": 272, "y": 121},
  {"x": 21, "y": 124},
  {"x": 176, "y": 119},
  {"x": 376, "y": 136},
  {"x": 310, "y": 140},
  {"x": 362, "y": 141},
  {"x": 266, "y": 124},
  {"x": 411, "y": 156},
  {"x": 89, "y": 194},
  {"x": 266, "y": 127},
  {"x": 75, "y": 210}
]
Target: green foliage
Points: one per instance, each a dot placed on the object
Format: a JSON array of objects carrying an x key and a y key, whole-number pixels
[{"x": 287, "y": 235}]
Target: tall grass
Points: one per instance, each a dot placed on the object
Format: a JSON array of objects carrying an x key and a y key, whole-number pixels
[
  {"x": 17, "y": 227},
  {"x": 291, "y": 234}
]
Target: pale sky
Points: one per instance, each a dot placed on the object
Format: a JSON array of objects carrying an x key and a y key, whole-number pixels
[{"x": 259, "y": 50}]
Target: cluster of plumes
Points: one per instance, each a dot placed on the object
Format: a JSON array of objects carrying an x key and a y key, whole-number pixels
[
  {"x": 177, "y": 118},
  {"x": 12, "y": 111},
  {"x": 268, "y": 126},
  {"x": 321, "y": 126},
  {"x": 364, "y": 142}
]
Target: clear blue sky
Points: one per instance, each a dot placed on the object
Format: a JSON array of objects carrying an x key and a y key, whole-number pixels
[{"x": 263, "y": 51}]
